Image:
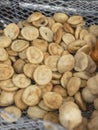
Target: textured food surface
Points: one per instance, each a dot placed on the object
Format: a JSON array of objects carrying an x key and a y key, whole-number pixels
[{"x": 14, "y": 11}]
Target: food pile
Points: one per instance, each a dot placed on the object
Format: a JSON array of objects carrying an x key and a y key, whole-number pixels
[{"x": 48, "y": 68}]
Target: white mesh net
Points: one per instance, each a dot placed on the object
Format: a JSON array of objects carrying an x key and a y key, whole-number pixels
[{"x": 16, "y": 10}]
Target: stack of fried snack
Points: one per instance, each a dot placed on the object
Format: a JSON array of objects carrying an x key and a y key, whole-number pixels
[{"x": 47, "y": 67}]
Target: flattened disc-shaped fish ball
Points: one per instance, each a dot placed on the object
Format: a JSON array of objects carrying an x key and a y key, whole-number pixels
[
  {"x": 68, "y": 28},
  {"x": 65, "y": 78},
  {"x": 11, "y": 114},
  {"x": 3, "y": 54},
  {"x": 12, "y": 31},
  {"x": 69, "y": 112},
  {"x": 60, "y": 17},
  {"x": 68, "y": 38},
  {"x": 91, "y": 65},
  {"x": 11, "y": 52},
  {"x": 51, "y": 117},
  {"x": 6, "y": 98},
  {"x": 73, "y": 85},
  {"x": 90, "y": 39},
  {"x": 94, "y": 30},
  {"x": 41, "y": 22},
  {"x": 34, "y": 16},
  {"x": 25, "y": 23},
  {"x": 41, "y": 44},
  {"x": 21, "y": 81},
  {"x": 51, "y": 62},
  {"x": 46, "y": 33},
  {"x": 58, "y": 35},
  {"x": 64, "y": 46},
  {"x": 77, "y": 31},
  {"x": 79, "y": 101},
  {"x": 44, "y": 107},
  {"x": 29, "y": 69},
  {"x": 8, "y": 62},
  {"x": 56, "y": 75},
  {"x": 50, "y": 21},
  {"x": 22, "y": 54},
  {"x": 35, "y": 112},
  {"x": 74, "y": 46},
  {"x": 65, "y": 63},
  {"x": 8, "y": 85},
  {"x": 87, "y": 95},
  {"x": 46, "y": 88},
  {"x": 19, "y": 45},
  {"x": 83, "y": 83},
  {"x": 5, "y": 41},
  {"x": 36, "y": 89},
  {"x": 74, "y": 20},
  {"x": 81, "y": 61},
  {"x": 82, "y": 74},
  {"x": 31, "y": 95},
  {"x": 83, "y": 33},
  {"x": 56, "y": 26},
  {"x": 30, "y": 33},
  {"x": 18, "y": 100},
  {"x": 53, "y": 100},
  {"x": 42, "y": 75},
  {"x": 92, "y": 85},
  {"x": 58, "y": 89},
  {"x": 55, "y": 49},
  {"x": 55, "y": 81},
  {"x": 86, "y": 49},
  {"x": 18, "y": 66},
  {"x": 34, "y": 55},
  {"x": 6, "y": 71}
]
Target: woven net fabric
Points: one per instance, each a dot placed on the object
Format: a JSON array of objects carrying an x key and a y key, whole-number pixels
[{"x": 17, "y": 10}]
